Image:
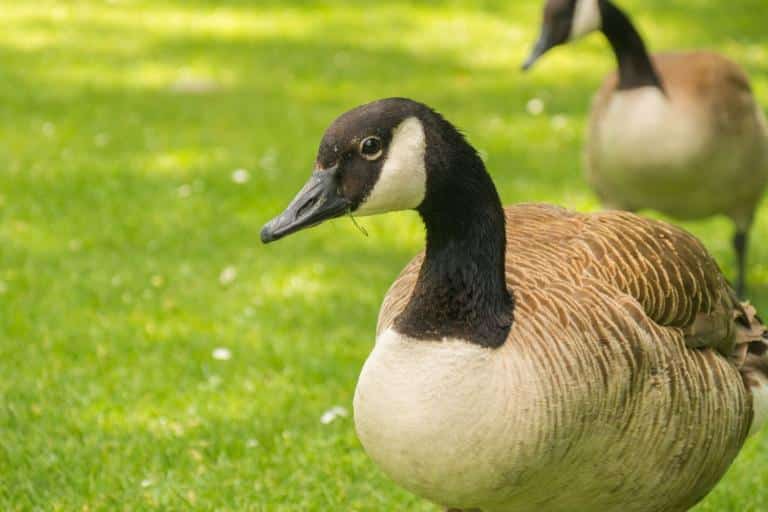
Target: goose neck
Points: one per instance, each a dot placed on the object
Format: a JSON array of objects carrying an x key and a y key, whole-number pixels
[
  {"x": 635, "y": 66},
  {"x": 461, "y": 290}
]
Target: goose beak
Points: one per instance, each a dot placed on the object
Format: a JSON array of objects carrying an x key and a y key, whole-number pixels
[
  {"x": 318, "y": 201},
  {"x": 543, "y": 45}
]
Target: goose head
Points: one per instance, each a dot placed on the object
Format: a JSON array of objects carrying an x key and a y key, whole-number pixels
[
  {"x": 389, "y": 155},
  {"x": 398, "y": 154},
  {"x": 565, "y": 21}
]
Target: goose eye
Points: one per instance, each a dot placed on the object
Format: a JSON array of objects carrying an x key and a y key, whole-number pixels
[{"x": 370, "y": 148}]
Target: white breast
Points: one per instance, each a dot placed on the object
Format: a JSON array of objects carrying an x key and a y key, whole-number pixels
[
  {"x": 641, "y": 128},
  {"x": 649, "y": 152},
  {"x": 435, "y": 416},
  {"x": 515, "y": 430}
]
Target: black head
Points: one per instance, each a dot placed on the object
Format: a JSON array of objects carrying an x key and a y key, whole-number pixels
[
  {"x": 373, "y": 159},
  {"x": 564, "y": 21}
]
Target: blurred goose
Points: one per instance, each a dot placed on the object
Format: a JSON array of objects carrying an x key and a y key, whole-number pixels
[
  {"x": 680, "y": 133},
  {"x": 533, "y": 358}
]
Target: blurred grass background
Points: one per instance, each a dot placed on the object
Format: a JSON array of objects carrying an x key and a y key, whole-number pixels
[{"x": 129, "y": 245}]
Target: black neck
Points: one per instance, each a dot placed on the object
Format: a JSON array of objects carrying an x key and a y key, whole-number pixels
[
  {"x": 461, "y": 290},
  {"x": 635, "y": 67}
]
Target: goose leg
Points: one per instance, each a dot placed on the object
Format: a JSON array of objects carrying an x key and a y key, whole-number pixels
[{"x": 740, "y": 239}]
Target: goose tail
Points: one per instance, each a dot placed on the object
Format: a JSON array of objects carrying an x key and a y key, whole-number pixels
[{"x": 752, "y": 350}]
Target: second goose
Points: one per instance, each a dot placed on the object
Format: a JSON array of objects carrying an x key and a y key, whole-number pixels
[{"x": 680, "y": 133}]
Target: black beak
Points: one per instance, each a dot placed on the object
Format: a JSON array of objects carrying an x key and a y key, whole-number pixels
[
  {"x": 543, "y": 45},
  {"x": 316, "y": 202}
]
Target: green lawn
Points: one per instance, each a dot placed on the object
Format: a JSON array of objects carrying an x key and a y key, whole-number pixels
[{"x": 130, "y": 254}]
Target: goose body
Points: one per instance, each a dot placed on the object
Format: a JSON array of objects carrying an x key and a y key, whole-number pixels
[
  {"x": 680, "y": 133},
  {"x": 533, "y": 358},
  {"x": 678, "y": 149},
  {"x": 594, "y": 393}
]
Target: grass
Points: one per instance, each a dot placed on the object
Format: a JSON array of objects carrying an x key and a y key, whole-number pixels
[{"x": 129, "y": 254}]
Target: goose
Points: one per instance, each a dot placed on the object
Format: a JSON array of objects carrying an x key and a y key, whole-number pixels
[
  {"x": 533, "y": 358},
  {"x": 680, "y": 133}
]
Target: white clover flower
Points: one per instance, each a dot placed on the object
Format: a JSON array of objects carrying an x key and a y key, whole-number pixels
[
  {"x": 535, "y": 106},
  {"x": 332, "y": 414},
  {"x": 241, "y": 176},
  {"x": 221, "y": 354},
  {"x": 559, "y": 122},
  {"x": 228, "y": 275}
]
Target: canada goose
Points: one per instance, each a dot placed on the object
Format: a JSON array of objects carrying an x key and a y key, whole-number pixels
[
  {"x": 680, "y": 133},
  {"x": 533, "y": 358}
]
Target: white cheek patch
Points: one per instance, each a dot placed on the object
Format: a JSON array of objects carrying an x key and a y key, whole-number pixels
[
  {"x": 402, "y": 182},
  {"x": 586, "y": 18}
]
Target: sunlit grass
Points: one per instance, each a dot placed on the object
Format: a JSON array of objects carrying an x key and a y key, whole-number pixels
[{"x": 122, "y": 124}]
